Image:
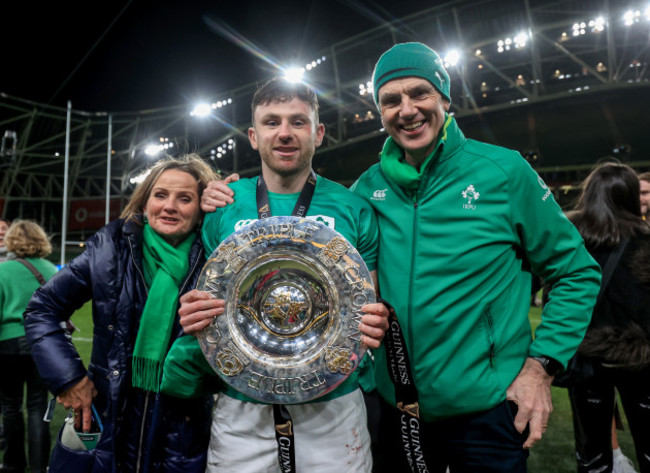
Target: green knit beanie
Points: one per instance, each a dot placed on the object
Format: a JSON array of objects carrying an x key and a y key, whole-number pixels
[{"x": 411, "y": 60}]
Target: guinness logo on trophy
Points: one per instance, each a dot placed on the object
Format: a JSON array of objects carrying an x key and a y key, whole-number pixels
[{"x": 294, "y": 289}]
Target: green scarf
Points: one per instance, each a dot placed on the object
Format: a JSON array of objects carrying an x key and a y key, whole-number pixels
[
  {"x": 398, "y": 170},
  {"x": 165, "y": 267}
]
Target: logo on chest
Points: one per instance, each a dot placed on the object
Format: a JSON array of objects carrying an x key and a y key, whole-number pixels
[
  {"x": 379, "y": 194},
  {"x": 471, "y": 195}
]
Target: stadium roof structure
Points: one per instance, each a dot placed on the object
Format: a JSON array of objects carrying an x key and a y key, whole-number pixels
[{"x": 563, "y": 81}]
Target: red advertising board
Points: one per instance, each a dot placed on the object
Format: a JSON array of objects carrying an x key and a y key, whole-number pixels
[{"x": 91, "y": 214}]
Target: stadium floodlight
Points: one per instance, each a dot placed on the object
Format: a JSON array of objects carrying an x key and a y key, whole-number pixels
[
  {"x": 520, "y": 40},
  {"x": 505, "y": 44},
  {"x": 630, "y": 17},
  {"x": 579, "y": 28},
  {"x": 201, "y": 110},
  {"x": 140, "y": 177},
  {"x": 155, "y": 149},
  {"x": 294, "y": 74},
  {"x": 452, "y": 57},
  {"x": 365, "y": 88},
  {"x": 222, "y": 150},
  {"x": 152, "y": 150},
  {"x": 597, "y": 25}
]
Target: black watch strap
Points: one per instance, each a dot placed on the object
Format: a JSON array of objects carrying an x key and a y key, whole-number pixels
[{"x": 550, "y": 365}]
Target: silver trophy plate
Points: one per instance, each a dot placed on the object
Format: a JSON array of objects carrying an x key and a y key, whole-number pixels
[{"x": 294, "y": 289}]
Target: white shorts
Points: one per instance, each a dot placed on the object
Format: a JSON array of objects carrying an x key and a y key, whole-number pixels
[{"x": 330, "y": 436}]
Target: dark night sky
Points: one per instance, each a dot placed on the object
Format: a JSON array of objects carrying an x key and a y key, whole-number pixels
[{"x": 125, "y": 55}]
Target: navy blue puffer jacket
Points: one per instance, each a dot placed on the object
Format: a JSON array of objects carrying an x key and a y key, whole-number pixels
[{"x": 143, "y": 431}]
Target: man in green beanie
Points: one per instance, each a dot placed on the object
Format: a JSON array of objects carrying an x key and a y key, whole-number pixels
[{"x": 462, "y": 224}]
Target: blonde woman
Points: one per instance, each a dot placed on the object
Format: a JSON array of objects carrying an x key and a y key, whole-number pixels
[
  {"x": 19, "y": 278},
  {"x": 134, "y": 270}
]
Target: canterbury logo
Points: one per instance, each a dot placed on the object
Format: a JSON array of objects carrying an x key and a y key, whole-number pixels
[
  {"x": 379, "y": 194},
  {"x": 264, "y": 209}
]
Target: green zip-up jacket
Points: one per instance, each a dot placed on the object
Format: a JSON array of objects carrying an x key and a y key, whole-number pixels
[{"x": 453, "y": 250}]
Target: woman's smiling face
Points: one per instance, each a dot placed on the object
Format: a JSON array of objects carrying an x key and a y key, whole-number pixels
[{"x": 173, "y": 205}]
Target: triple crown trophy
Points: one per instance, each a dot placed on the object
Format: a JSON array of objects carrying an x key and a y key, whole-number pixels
[{"x": 294, "y": 289}]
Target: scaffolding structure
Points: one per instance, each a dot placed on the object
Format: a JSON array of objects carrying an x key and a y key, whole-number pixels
[{"x": 562, "y": 81}]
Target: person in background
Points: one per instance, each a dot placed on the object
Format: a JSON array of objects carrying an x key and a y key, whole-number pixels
[
  {"x": 617, "y": 342},
  {"x": 644, "y": 180},
  {"x": 134, "y": 270},
  {"x": 20, "y": 276},
  {"x": 621, "y": 463},
  {"x": 4, "y": 226}
]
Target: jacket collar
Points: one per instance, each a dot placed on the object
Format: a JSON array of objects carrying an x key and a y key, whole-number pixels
[
  {"x": 133, "y": 226},
  {"x": 395, "y": 167}
]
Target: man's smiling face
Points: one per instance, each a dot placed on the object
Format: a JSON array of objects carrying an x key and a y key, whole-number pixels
[
  {"x": 413, "y": 113},
  {"x": 286, "y": 134}
]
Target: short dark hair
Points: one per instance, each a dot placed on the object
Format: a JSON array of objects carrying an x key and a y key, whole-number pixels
[{"x": 279, "y": 89}]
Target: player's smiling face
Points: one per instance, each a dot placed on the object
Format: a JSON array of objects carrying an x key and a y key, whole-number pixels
[{"x": 286, "y": 135}]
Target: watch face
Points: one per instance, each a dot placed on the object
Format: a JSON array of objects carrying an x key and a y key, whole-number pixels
[
  {"x": 554, "y": 368},
  {"x": 551, "y": 366}
]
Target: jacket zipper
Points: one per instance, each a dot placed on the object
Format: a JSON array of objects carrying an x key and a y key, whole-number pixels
[
  {"x": 135, "y": 263},
  {"x": 148, "y": 394},
  {"x": 189, "y": 274},
  {"x": 490, "y": 323},
  {"x": 146, "y": 399},
  {"x": 144, "y": 418},
  {"x": 412, "y": 271}
]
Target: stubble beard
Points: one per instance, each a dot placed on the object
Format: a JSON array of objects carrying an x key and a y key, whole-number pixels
[{"x": 297, "y": 169}]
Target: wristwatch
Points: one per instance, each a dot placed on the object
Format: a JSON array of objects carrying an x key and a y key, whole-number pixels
[{"x": 551, "y": 366}]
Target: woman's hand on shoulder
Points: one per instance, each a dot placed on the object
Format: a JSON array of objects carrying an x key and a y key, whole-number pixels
[{"x": 218, "y": 194}]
